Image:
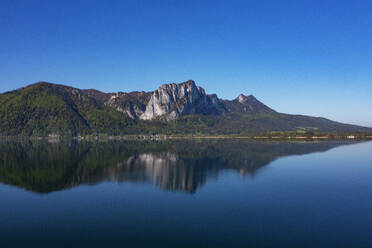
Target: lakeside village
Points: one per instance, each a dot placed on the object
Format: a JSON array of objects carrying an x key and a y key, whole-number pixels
[{"x": 266, "y": 136}]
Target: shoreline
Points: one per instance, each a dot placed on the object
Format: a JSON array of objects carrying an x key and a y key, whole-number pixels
[{"x": 185, "y": 137}]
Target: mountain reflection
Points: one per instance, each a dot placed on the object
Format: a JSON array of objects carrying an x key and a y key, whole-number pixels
[{"x": 44, "y": 167}]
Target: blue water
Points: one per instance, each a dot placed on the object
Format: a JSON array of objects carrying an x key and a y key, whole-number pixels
[{"x": 198, "y": 194}]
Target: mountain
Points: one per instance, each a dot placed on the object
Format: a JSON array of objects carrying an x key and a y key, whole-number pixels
[
  {"x": 173, "y": 100},
  {"x": 45, "y": 108}
]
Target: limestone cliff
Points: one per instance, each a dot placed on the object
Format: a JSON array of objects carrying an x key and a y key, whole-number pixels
[{"x": 173, "y": 100}]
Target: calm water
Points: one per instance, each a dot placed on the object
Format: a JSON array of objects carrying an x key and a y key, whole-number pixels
[{"x": 186, "y": 194}]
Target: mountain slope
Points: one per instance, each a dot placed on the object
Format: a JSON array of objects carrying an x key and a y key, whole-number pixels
[
  {"x": 133, "y": 104},
  {"x": 45, "y": 108}
]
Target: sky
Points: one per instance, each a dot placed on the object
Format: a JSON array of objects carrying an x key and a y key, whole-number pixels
[{"x": 299, "y": 57}]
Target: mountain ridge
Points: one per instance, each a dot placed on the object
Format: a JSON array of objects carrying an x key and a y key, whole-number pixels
[{"x": 45, "y": 108}]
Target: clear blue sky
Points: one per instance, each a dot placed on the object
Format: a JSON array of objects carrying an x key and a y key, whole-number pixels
[{"x": 301, "y": 56}]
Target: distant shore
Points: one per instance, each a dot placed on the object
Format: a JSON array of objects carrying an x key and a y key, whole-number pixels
[{"x": 180, "y": 137}]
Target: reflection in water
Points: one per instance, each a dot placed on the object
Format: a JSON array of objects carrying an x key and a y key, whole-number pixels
[{"x": 172, "y": 165}]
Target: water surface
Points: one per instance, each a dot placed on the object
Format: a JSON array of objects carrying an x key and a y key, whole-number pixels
[{"x": 186, "y": 194}]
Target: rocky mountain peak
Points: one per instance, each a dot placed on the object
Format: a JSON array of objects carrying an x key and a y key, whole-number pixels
[
  {"x": 173, "y": 100},
  {"x": 250, "y": 104},
  {"x": 189, "y": 83},
  {"x": 183, "y": 89},
  {"x": 244, "y": 99}
]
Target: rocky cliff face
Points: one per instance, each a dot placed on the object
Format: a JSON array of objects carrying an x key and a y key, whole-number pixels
[
  {"x": 170, "y": 101},
  {"x": 133, "y": 104},
  {"x": 173, "y": 100}
]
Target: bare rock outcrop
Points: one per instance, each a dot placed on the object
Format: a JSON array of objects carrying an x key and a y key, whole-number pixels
[
  {"x": 173, "y": 100},
  {"x": 133, "y": 104}
]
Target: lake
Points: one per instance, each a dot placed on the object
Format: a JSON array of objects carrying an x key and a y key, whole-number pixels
[{"x": 192, "y": 193}]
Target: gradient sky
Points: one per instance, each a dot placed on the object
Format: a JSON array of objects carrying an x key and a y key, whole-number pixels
[{"x": 301, "y": 57}]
